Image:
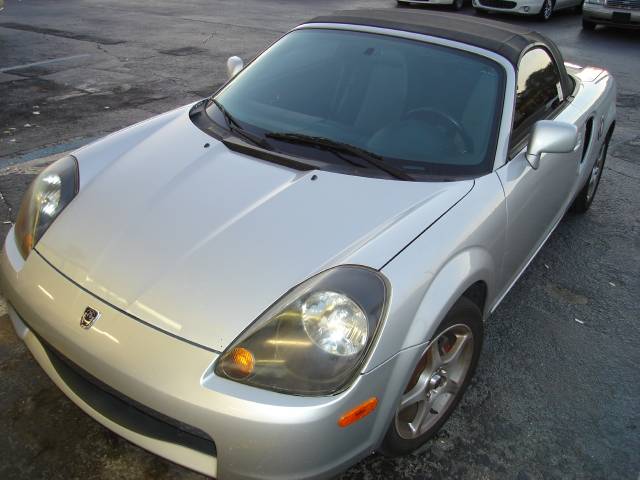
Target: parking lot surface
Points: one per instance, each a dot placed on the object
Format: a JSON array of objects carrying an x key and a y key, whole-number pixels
[{"x": 557, "y": 391}]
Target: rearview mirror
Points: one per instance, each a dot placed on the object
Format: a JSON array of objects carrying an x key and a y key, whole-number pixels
[
  {"x": 234, "y": 65},
  {"x": 550, "y": 136}
]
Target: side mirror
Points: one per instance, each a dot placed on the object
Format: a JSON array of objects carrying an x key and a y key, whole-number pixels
[
  {"x": 550, "y": 136},
  {"x": 234, "y": 65}
]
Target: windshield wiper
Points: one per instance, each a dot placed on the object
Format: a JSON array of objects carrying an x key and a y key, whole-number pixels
[
  {"x": 340, "y": 147},
  {"x": 236, "y": 128}
]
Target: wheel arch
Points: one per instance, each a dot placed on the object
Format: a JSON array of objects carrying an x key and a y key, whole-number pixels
[
  {"x": 610, "y": 112},
  {"x": 612, "y": 127},
  {"x": 471, "y": 274},
  {"x": 477, "y": 293}
]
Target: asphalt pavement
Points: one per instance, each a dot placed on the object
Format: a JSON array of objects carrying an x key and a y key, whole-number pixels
[{"x": 557, "y": 391}]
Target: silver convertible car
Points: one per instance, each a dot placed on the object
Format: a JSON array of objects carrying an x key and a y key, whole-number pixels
[{"x": 294, "y": 273}]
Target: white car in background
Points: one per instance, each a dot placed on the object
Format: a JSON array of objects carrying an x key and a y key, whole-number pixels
[
  {"x": 542, "y": 8},
  {"x": 617, "y": 13},
  {"x": 455, "y": 4}
]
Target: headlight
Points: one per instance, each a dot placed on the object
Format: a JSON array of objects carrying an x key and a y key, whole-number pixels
[
  {"x": 314, "y": 339},
  {"x": 49, "y": 193}
]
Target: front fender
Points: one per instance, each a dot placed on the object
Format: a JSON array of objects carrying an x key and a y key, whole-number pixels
[
  {"x": 465, "y": 246},
  {"x": 473, "y": 265},
  {"x": 443, "y": 290}
]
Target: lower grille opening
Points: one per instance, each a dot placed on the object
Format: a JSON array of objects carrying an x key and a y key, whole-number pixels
[
  {"x": 125, "y": 411},
  {"x": 498, "y": 3}
]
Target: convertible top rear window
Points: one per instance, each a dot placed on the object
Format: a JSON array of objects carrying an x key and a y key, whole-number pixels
[{"x": 422, "y": 108}]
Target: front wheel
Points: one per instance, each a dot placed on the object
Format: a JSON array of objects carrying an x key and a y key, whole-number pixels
[
  {"x": 438, "y": 381},
  {"x": 457, "y": 4},
  {"x": 546, "y": 11}
]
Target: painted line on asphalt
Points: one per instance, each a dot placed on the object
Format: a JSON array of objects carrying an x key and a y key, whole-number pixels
[{"x": 44, "y": 62}]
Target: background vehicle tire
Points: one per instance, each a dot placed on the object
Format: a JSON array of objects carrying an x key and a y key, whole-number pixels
[
  {"x": 578, "y": 8},
  {"x": 587, "y": 25},
  {"x": 438, "y": 381},
  {"x": 546, "y": 11},
  {"x": 457, "y": 4},
  {"x": 585, "y": 198}
]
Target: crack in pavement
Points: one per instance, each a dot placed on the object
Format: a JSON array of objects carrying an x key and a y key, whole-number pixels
[
  {"x": 623, "y": 174},
  {"x": 60, "y": 33}
]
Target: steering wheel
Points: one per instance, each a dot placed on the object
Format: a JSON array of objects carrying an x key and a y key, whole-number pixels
[{"x": 430, "y": 115}]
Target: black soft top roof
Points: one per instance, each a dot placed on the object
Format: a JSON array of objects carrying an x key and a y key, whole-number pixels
[{"x": 504, "y": 39}]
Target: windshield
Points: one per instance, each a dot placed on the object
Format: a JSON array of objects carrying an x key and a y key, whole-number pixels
[{"x": 418, "y": 107}]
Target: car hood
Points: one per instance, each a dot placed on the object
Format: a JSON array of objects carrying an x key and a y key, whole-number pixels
[{"x": 198, "y": 241}]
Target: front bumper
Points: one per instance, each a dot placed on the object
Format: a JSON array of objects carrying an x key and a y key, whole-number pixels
[
  {"x": 605, "y": 15},
  {"x": 209, "y": 424},
  {"x": 518, "y": 7}
]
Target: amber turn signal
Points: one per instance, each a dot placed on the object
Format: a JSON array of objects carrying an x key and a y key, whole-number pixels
[
  {"x": 239, "y": 363},
  {"x": 359, "y": 412},
  {"x": 26, "y": 245}
]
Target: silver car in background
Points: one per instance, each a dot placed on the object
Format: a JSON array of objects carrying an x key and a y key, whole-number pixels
[
  {"x": 616, "y": 13},
  {"x": 543, "y": 9},
  {"x": 280, "y": 279}
]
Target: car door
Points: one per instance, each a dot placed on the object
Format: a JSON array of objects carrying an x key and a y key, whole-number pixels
[{"x": 536, "y": 199}]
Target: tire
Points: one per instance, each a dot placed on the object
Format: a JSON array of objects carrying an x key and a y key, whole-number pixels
[
  {"x": 578, "y": 8},
  {"x": 464, "y": 324},
  {"x": 585, "y": 198},
  {"x": 457, "y": 5},
  {"x": 588, "y": 25},
  {"x": 546, "y": 12}
]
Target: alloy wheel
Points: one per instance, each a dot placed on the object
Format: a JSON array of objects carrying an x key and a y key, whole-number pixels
[
  {"x": 548, "y": 9},
  {"x": 436, "y": 382}
]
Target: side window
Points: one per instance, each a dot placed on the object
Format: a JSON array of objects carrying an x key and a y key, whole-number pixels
[{"x": 538, "y": 92}]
